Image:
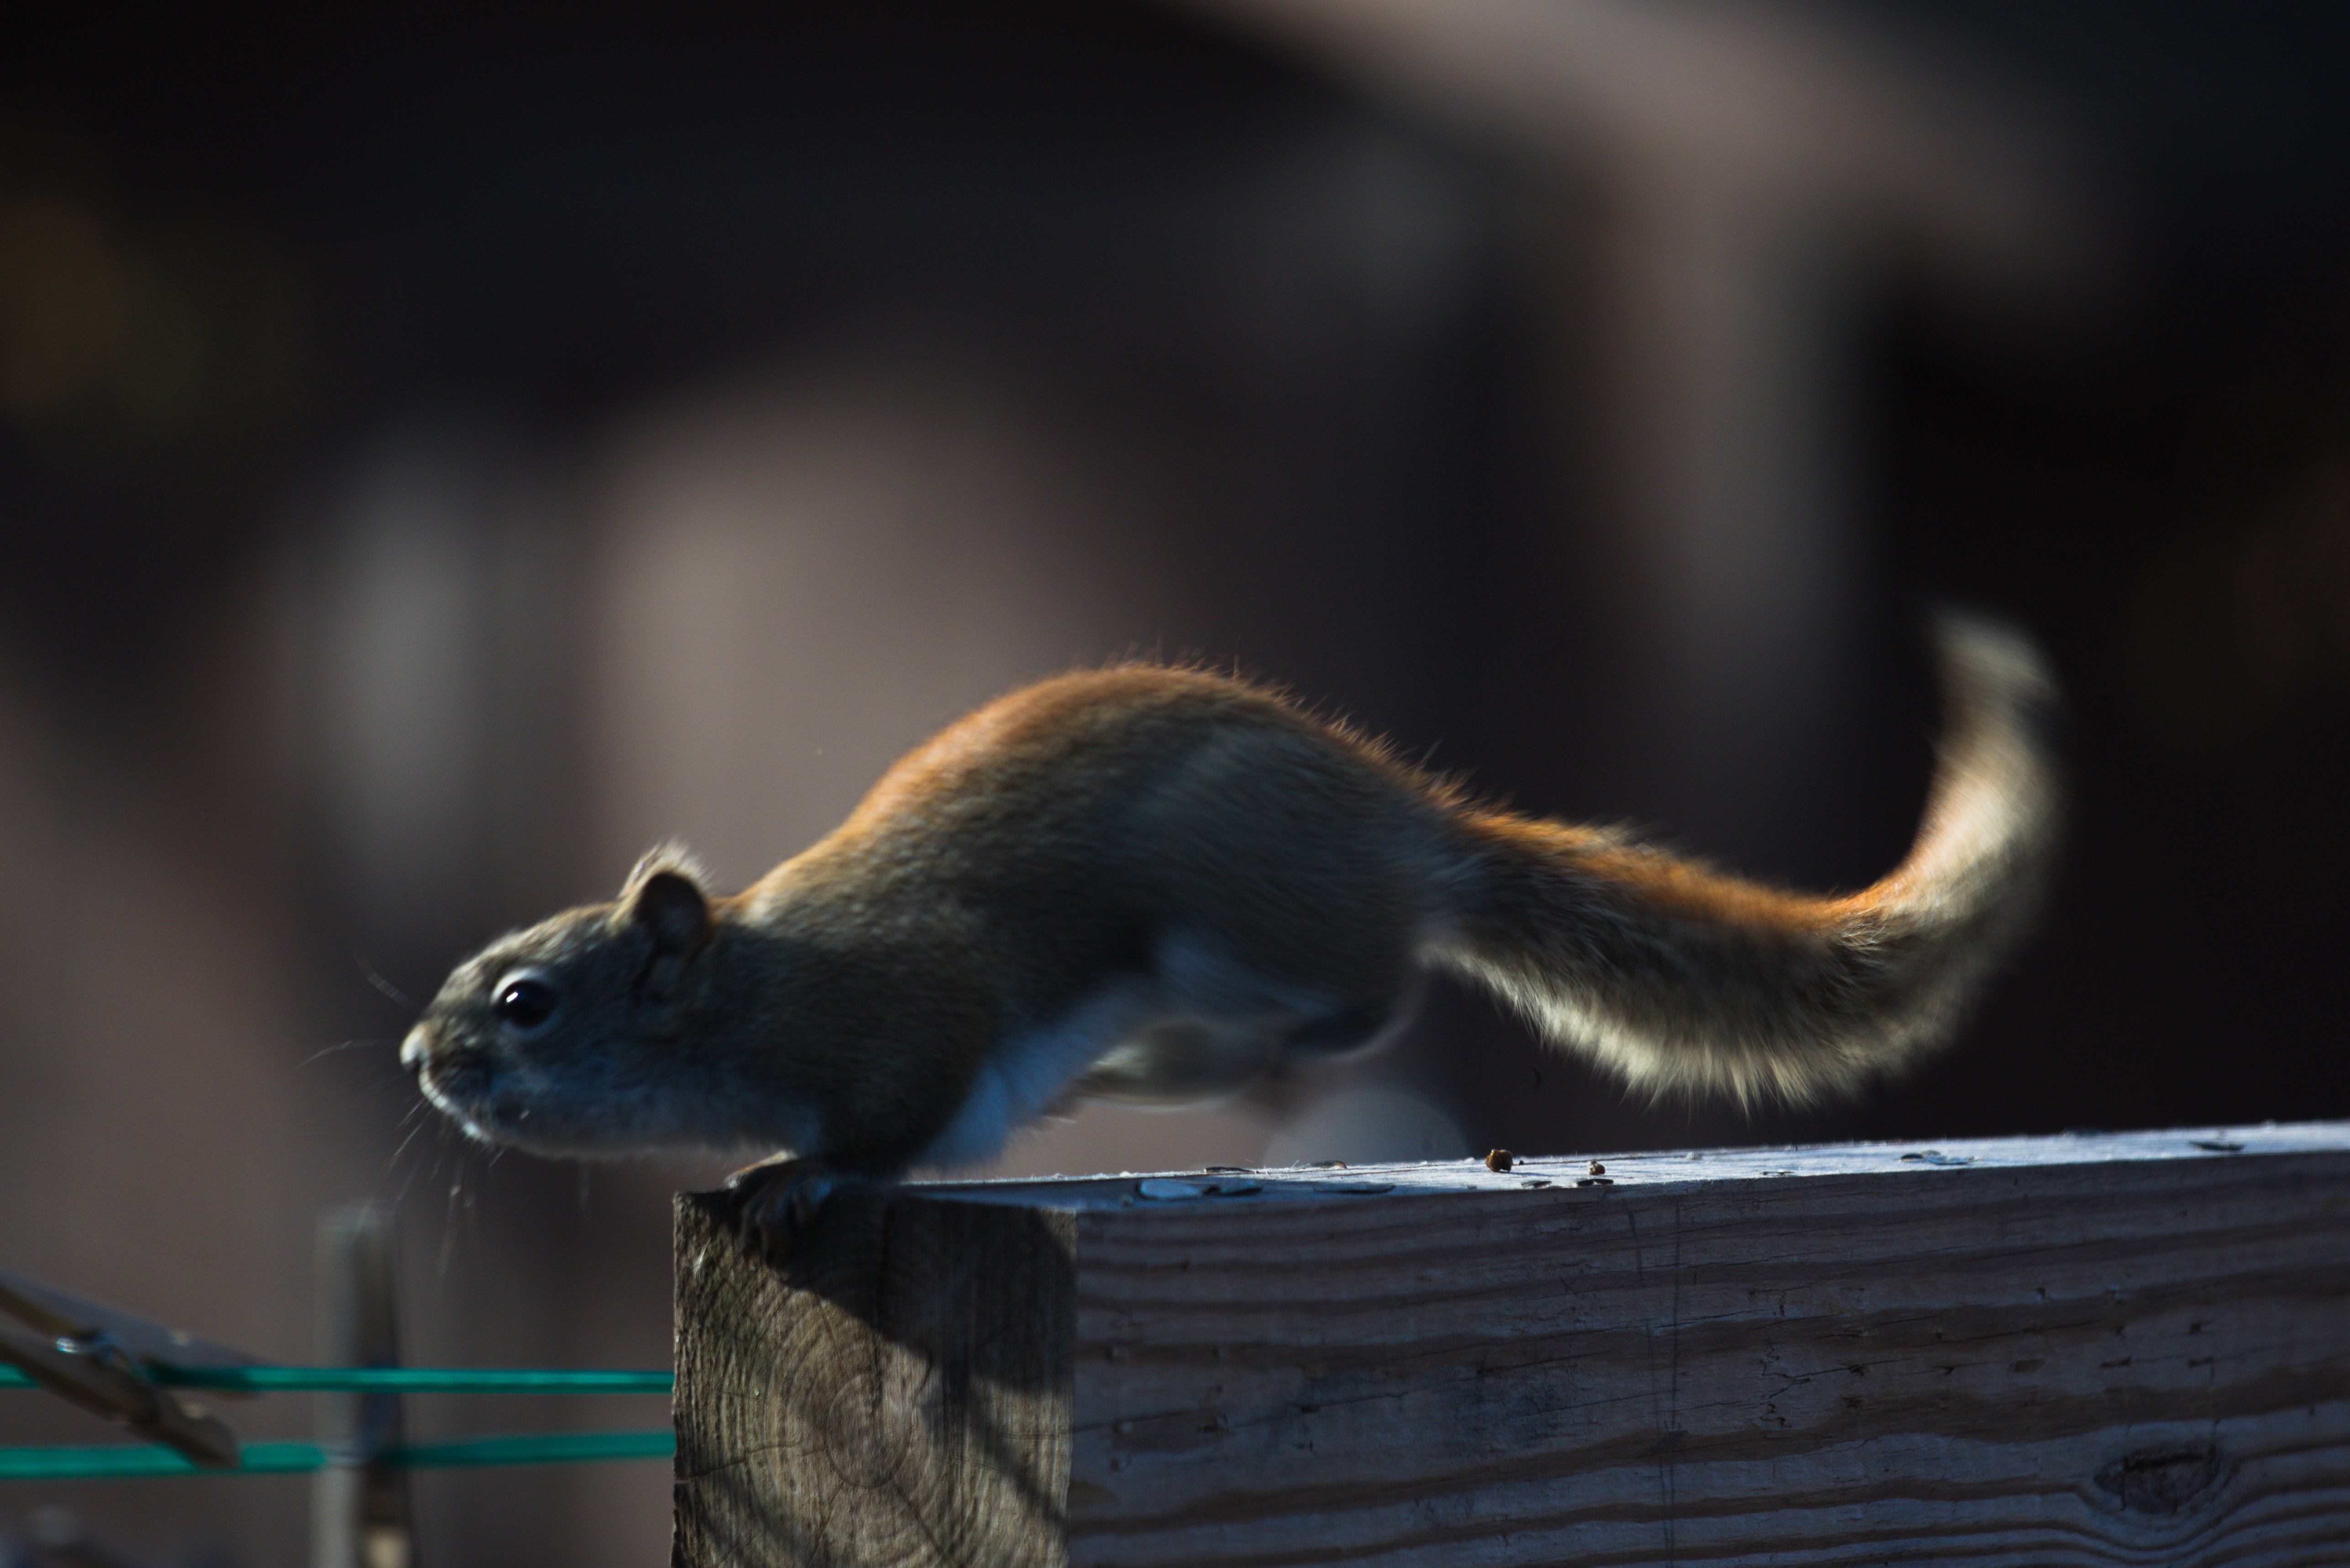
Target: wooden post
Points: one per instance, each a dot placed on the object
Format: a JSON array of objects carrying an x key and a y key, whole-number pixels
[
  {"x": 2128, "y": 1348},
  {"x": 359, "y": 1503}
]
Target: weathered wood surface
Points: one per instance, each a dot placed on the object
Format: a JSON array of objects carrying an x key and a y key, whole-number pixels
[
  {"x": 902, "y": 1395},
  {"x": 2093, "y": 1350}
]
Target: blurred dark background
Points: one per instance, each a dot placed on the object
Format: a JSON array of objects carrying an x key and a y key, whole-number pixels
[{"x": 442, "y": 455}]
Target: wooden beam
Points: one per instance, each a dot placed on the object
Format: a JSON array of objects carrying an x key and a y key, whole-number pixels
[
  {"x": 2128, "y": 1348},
  {"x": 900, "y": 1395}
]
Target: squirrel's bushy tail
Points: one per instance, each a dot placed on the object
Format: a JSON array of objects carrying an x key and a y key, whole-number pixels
[{"x": 1681, "y": 977}]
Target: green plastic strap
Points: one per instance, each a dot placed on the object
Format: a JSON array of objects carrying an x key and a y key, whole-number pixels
[
  {"x": 539, "y": 1449},
  {"x": 394, "y": 1380},
  {"x": 121, "y": 1460}
]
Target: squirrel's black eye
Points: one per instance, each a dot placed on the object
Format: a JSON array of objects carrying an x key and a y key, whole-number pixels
[{"x": 523, "y": 1003}]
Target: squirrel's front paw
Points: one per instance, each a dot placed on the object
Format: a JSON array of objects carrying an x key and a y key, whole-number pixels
[{"x": 778, "y": 1201}]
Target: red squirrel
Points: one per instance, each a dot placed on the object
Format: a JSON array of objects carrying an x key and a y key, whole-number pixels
[{"x": 1153, "y": 883}]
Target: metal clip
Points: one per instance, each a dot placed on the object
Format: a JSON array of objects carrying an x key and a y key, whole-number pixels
[{"x": 103, "y": 1360}]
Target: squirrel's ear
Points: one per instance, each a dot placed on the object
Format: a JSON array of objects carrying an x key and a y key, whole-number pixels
[
  {"x": 671, "y": 905},
  {"x": 664, "y": 895}
]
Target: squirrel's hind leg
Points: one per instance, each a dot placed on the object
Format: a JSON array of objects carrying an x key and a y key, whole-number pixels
[{"x": 1355, "y": 1028}]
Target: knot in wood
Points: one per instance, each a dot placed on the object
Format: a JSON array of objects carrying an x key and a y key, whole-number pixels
[{"x": 2162, "y": 1480}]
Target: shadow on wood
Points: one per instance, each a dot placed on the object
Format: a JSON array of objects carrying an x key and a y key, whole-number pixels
[
  {"x": 2116, "y": 1349},
  {"x": 899, "y": 1394}
]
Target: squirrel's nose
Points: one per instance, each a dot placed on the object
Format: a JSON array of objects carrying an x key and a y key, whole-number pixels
[{"x": 413, "y": 1050}]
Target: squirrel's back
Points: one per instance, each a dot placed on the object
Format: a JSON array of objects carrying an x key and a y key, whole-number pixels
[{"x": 1171, "y": 818}]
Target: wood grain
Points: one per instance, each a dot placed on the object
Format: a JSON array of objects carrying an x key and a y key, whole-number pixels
[
  {"x": 2030, "y": 1353},
  {"x": 900, "y": 1396}
]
